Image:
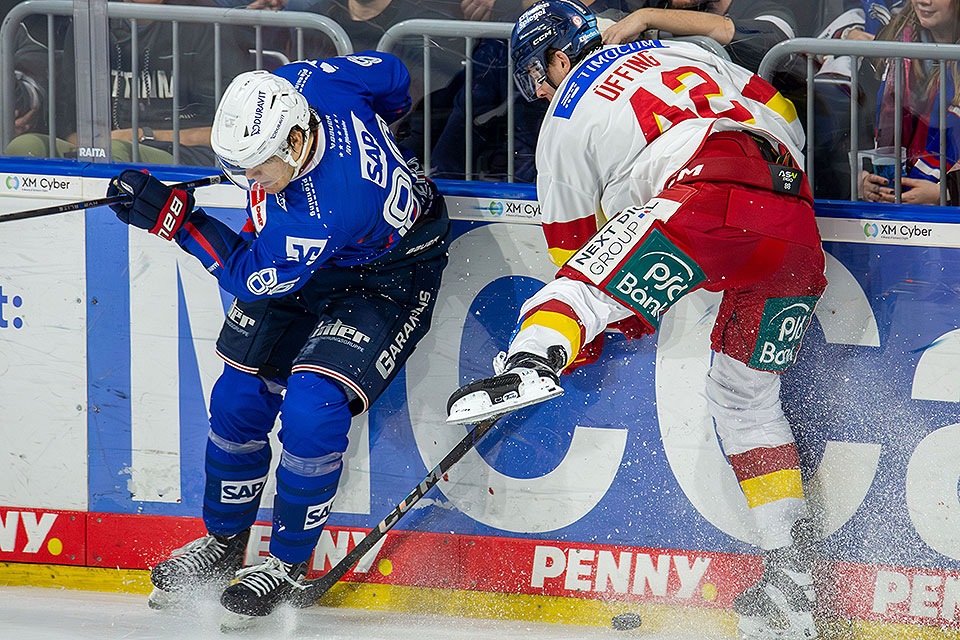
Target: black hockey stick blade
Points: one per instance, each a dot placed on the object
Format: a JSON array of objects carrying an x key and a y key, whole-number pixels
[
  {"x": 316, "y": 588},
  {"x": 101, "y": 202}
]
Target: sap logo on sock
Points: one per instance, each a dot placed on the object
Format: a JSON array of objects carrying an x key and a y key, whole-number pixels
[
  {"x": 233, "y": 492},
  {"x": 17, "y": 302},
  {"x": 558, "y": 571},
  {"x": 317, "y": 515}
]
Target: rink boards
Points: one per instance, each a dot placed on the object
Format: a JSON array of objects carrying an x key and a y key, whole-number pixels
[{"x": 616, "y": 493}]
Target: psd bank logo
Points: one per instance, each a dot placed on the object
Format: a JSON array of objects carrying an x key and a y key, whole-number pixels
[{"x": 871, "y": 230}]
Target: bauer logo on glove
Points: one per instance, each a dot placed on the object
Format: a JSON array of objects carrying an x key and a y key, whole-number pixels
[{"x": 154, "y": 206}]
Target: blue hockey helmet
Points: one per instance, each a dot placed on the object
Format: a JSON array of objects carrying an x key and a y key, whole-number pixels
[{"x": 565, "y": 25}]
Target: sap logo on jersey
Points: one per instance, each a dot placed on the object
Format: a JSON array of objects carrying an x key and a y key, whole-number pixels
[
  {"x": 232, "y": 492},
  {"x": 317, "y": 515},
  {"x": 373, "y": 160}
]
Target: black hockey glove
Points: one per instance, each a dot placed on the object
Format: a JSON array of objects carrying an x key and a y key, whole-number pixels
[{"x": 155, "y": 207}]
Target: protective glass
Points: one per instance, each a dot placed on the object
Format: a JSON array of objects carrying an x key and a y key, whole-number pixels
[
  {"x": 529, "y": 76},
  {"x": 263, "y": 175}
]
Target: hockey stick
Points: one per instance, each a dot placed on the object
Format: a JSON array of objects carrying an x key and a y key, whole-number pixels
[
  {"x": 100, "y": 202},
  {"x": 316, "y": 588}
]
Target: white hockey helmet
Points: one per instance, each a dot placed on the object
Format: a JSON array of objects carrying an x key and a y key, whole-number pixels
[{"x": 252, "y": 123}]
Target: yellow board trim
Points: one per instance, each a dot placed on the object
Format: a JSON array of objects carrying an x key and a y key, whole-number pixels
[
  {"x": 564, "y": 325},
  {"x": 771, "y": 487},
  {"x": 783, "y": 106},
  {"x": 480, "y": 604}
]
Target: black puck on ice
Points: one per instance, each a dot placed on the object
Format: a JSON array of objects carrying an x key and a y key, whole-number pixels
[{"x": 626, "y": 621}]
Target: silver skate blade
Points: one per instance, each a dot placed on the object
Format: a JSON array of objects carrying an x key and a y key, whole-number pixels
[
  {"x": 231, "y": 622},
  {"x": 462, "y": 413},
  {"x": 160, "y": 599}
]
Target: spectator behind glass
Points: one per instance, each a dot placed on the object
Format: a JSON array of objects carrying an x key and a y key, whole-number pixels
[
  {"x": 932, "y": 21},
  {"x": 851, "y": 20},
  {"x": 489, "y": 102},
  {"x": 155, "y": 131},
  {"x": 747, "y": 29}
]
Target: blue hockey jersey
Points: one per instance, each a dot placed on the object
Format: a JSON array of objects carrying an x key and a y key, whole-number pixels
[{"x": 352, "y": 202}]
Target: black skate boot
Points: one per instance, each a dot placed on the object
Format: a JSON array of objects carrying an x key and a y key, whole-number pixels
[
  {"x": 522, "y": 379},
  {"x": 259, "y": 590},
  {"x": 213, "y": 558},
  {"x": 780, "y": 605}
]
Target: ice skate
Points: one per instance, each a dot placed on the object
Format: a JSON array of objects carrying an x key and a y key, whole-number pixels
[
  {"x": 258, "y": 591},
  {"x": 522, "y": 379},
  {"x": 780, "y": 605},
  {"x": 210, "y": 559}
]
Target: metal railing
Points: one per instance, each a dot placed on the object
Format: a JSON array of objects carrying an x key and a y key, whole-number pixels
[
  {"x": 174, "y": 14},
  {"x": 469, "y": 31},
  {"x": 898, "y": 51}
]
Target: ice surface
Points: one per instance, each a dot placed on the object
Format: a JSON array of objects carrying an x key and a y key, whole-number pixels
[{"x": 33, "y": 613}]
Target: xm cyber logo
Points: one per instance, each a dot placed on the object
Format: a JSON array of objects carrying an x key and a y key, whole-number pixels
[
  {"x": 232, "y": 492},
  {"x": 654, "y": 277},
  {"x": 17, "y": 302},
  {"x": 781, "y": 329},
  {"x": 496, "y": 207},
  {"x": 13, "y": 183},
  {"x": 871, "y": 230}
]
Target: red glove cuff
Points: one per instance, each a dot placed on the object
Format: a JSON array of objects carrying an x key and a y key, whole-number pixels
[{"x": 173, "y": 215}]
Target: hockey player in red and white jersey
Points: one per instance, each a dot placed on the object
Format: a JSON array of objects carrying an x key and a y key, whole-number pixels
[{"x": 663, "y": 169}]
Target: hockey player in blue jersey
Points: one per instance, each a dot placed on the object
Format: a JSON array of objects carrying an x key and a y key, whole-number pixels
[{"x": 335, "y": 277}]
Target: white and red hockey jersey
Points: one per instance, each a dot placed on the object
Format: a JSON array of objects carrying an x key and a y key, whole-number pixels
[{"x": 629, "y": 117}]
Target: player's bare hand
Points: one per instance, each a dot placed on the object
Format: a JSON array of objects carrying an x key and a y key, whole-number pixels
[
  {"x": 477, "y": 9},
  {"x": 628, "y": 29},
  {"x": 916, "y": 192},
  {"x": 268, "y": 5}
]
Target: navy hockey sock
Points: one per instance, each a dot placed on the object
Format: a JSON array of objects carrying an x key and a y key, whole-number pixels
[
  {"x": 315, "y": 421},
  {"x": 242, "y": 413}
]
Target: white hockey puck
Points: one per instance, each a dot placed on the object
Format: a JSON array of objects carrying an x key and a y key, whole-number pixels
[{"x": 626, "y": 621}]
